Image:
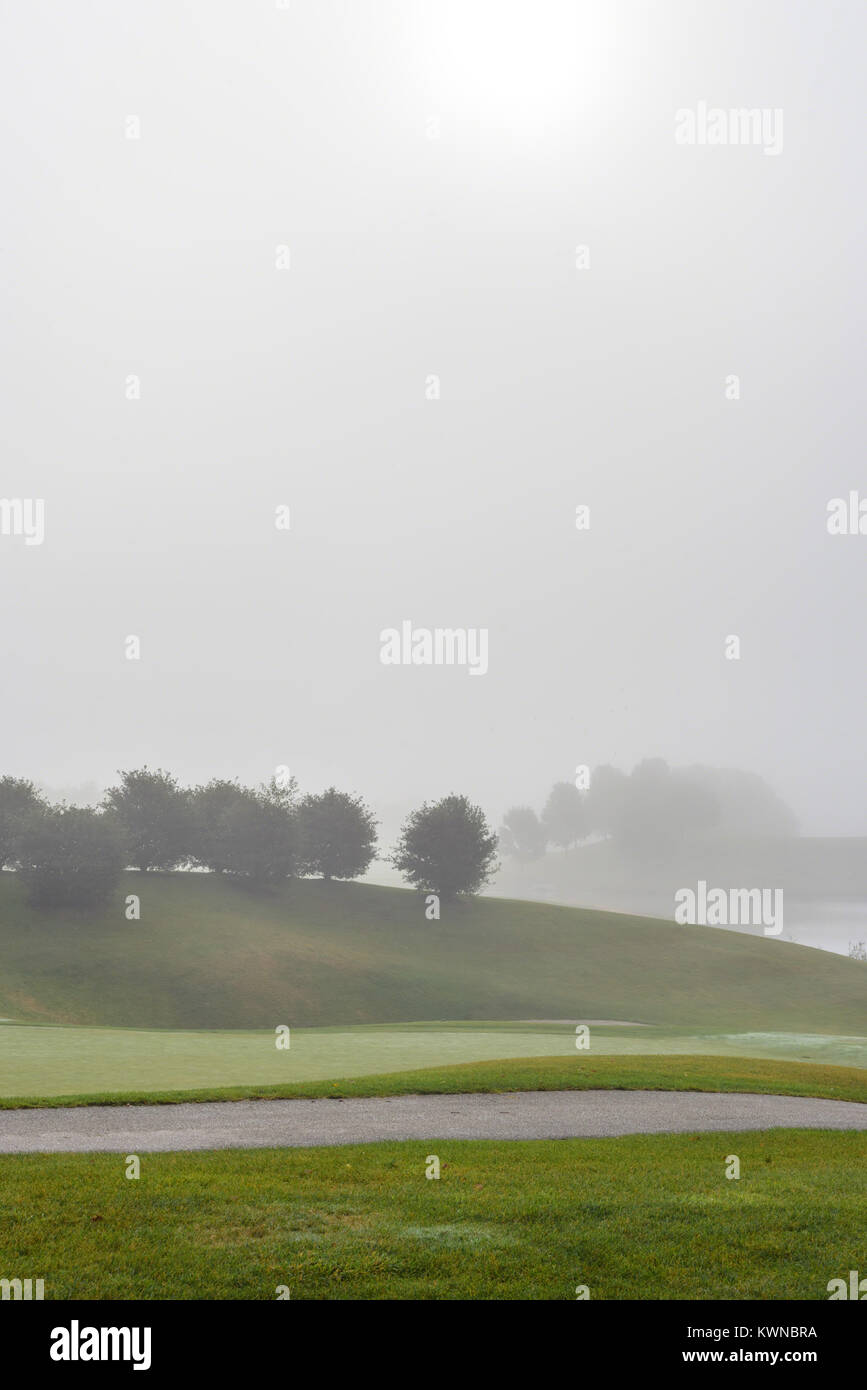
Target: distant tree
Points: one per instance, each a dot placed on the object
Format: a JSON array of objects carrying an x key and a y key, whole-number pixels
[
  {"x": 606, "y": 800},
  {"x": 694, "y": 810},
  {"x": 210, "y": 804},
  {"x": 261, "y": 835},
  {"x": 447, "y": 848},
  {"x": 645, "y": 817},
  {"x": 747, "y": 806},
  {"x": 70, "y": 856},
  {"x": 19, "y": 800},
  {"x": 522, "y": 835},
  {"x": 654, "y": 806},
  {"x": 662, "y": 807},
  {"x": 153, "y": 813},
  {"x": 337, "y": 835},
  {"x": 657, "y": 805},
  {"x": 564, "y": 816},
  {"x": 245, "y": 832}
]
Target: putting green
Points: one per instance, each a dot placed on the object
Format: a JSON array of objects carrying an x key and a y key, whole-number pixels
[{"x": 48, "y": 1060}]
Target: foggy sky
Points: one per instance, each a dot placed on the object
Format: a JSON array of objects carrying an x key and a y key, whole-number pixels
[{"x": 413, "y": 256}]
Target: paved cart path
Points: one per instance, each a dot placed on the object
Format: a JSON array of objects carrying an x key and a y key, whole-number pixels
[{"x": 518, "y": 1115}]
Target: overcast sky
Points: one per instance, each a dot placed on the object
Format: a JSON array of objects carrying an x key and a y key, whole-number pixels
[{"x": 432, "y": 168}]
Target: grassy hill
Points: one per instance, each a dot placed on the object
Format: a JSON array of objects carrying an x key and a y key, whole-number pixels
[{"x": 210, "y": 954}]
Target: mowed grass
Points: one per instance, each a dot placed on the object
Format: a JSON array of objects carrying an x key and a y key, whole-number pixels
[
  {"x": 44, "y": 1065},
  {"x": 207, "y": 953},
  {"x": 644, "y": 1217},
  {"x": 45, "y": 1060},
  {"x": 673, "y": 1073}
]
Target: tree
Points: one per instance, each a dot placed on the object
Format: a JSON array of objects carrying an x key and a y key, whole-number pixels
[
  {"x": 662, "y": 807},
  {"x": 153, "y": 813},
  {"x": 606, "y": 799},
  {"x": 236, "y": 830},
  {"x": 447, "y": 848},
  {"x": 746, "y": 805},
  {"x": 210, "y": 845},
  {"x": 70, "y": 856},
  {"x": 261, "y": 838},
  {"x": 19, "y": 800},
  {"x": 522, "y": 835},
  {"x": 337, "y": 835},
  {"x": 658, "y": 805},
  {"x": 564, "y": 817}
]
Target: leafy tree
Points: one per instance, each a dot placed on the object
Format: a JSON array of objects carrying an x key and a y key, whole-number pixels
[
  {"x": 657, "y": 804},
  {"x": 564, "y": 817},
  {"x": 19, "y": 799},
  {"x": 694, "y": 808},
  {"x": 447, "y": 848},
  {"x": 606, "y": 799},
  {"x": 261, "y": 835},
  {"x": 210, "y": 845},
  {"x": 522, "y": 835},
  {"x": 337, "y": 835},
  {"x": 281, "y": 793},
  {"x": 70, "y": 856},
  {"x": 661, "y": 806},
  {"x": 154, "y": 814},
  {"x": 246, "y": 832},
  {"x": 746, "y": 805}
]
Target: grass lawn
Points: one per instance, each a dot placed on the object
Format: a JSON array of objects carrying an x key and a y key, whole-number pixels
[
  {"x": 207, "y": 954},
  {"x": 647, "y": 1217},
  {"x": 43, "y": 1062},
  {"x": 669, "y": 1073}
]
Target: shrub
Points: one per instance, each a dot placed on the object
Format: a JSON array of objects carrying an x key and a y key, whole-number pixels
[
  {"x": 70, "y": 856},
  {"x": 447, "y": 848}
]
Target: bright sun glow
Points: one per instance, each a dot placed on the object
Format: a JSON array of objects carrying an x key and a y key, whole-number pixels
[{"x": 521, "y": 66}]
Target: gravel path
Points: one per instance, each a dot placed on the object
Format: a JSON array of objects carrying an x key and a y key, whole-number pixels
[{"x": 301, "y": 1123}]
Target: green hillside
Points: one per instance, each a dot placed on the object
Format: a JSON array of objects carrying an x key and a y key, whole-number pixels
[{"x": 210, "y": 954}]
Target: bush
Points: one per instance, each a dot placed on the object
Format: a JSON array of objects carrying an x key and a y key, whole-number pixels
[
  {"x": 447, "y": 848},
  {"x": 522, "y": 835},
  {"x": 564, "y": 817},
  {"x": 154, "y": 815},
  {"x": 70, "y": 856},
  {"x": 337, "y": 835},
  {"x": 19, "y": 800},
  {"x": 236, "y": 830}
]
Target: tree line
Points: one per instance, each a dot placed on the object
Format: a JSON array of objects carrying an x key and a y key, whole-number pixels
[
  {"x": 653, "y": 806},
  {"x": 74, "y": 856}
]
